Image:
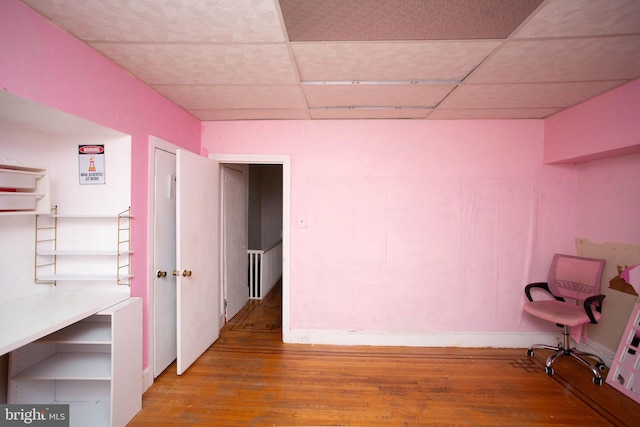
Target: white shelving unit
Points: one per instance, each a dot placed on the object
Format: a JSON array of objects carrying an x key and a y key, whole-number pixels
[
  {"x": 114, "y": 251},
  {"x": 23, "y": 189},
  {"x": 94, "y": 365}
]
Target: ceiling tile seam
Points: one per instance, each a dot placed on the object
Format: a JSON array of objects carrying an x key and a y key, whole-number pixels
[
  {"x": 494, "y": 108},
  {"x": 457, "y": 87},
  {"x": 410, "y": 82},
  {"x": 377, "y": 107},
  {"x": 529, "y": 18},
  {"x": 283, "y": 25},
  {"x": 395, "y": 42},
  {"x": 176, "y": 85},
  {"x": 505, "y": 41},
  {"x": 292, "y": 59},
  {"x": 574, "y": 37},
  {"x": 514, "y": 34},
  {"x": 365, "y": 118},
  {"x": 444, "y": 98},
  {"x": 543, "y": 82},
  {"x": 186, "y": 42},
  {"x": 374, "y": 107},
  {"x": 247, "y": 109}
]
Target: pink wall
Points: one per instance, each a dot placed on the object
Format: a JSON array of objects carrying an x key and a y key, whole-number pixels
[
  {"x": 43, "y": 63},
  {"x": 414, "y": 226},
  {"x": 609, "y": 200},
  {"x": 604, "y": 127}
]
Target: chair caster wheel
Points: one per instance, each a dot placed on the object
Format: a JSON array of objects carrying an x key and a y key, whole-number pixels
[
  {"x": 530, "y": 352},
  {"x": 597, "y": 380},
  {"x": 601, "y": 366},
  {"x": 548, "y": 370}
]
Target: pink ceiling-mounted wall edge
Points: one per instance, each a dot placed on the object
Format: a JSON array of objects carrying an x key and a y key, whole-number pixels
[{"x": 604, "y": 127}]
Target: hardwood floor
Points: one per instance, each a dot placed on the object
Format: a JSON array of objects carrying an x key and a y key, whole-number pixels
[{"x": 250, "y": 378}]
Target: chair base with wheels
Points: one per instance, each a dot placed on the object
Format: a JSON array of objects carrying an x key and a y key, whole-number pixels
[
  {"x": 574, "y": 287},
  {"x": 565, "y": 349}
]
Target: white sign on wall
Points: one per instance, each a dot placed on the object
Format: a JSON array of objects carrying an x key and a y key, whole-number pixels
[{"x": 91, "y": 161}]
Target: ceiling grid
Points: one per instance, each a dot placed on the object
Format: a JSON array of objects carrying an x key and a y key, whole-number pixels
[{"x": 364, "y": 59}]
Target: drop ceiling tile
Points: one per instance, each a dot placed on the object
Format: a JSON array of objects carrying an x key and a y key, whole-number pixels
[
  {"x": 534, "y": 95},
  {"x": 346, "y": 113},
  {"x": 220, "y": 97},
  {"x": 203, "y": 64},
  {"x": 247, "y": 114},
  {"x": 376, "y": 95},
  {"x": 562, "y": 18},
  {"x": 489, "y": 113},
  {"x": 246, "y": 21},
  {"x": 313, "y": 20},
  {"x": 442, "y": 60},
  {"x": 557, "y": 60}
]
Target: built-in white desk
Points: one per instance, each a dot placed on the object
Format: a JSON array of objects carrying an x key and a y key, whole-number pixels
[{"x": 30, "y": 318}]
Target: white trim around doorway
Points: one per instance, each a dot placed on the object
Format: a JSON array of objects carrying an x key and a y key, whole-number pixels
[{"x": 285, "y": 161}]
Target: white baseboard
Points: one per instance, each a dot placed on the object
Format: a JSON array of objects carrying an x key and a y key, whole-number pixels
[
  {"x": 147, "y": 379},
  {"x": 440, "y": 339},
  {"x": 593, "y": 347}
]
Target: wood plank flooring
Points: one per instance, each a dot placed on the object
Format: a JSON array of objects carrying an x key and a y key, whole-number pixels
[{"x": 250, "y": 378}]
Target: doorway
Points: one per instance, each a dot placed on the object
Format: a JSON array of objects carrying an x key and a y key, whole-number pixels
[
  {"x": 252, "y": 233},
  {"x": 285, "y": 163}
]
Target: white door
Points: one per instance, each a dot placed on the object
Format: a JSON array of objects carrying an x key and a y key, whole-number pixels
[
  {"x": 164, "y": 261},
  {"x": 197, "y": 256},
  {"x": 234, "y": 206}
]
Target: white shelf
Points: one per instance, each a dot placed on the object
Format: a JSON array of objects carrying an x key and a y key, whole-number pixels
[
  {"x": 85, "y": 216},
  {"x": 83, "y": 277},
  {"x": 30, "y": 318},
  {"x": 95, "y": 365},
  {"x": 82, "y": 253},
  {"x": 23, "y": 189},
  {"x": 17, "y": 167},
  {"x": 57, "y": 247},
  {"x": 70, "y": 366},
  {"x": 81, "y": 333},
  {"x": 14, "y": 201},
  {"x": 18, "y": 179}
]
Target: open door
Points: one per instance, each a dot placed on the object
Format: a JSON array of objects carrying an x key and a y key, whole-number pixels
[
  {"x": 197, "y": 256},
  {"x": 235, "y": 240},
  {"x": 164, "y": 261}
]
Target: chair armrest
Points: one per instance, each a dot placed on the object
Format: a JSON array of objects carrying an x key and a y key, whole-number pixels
[
  {"x": 540, "y": 285},
  {"x": 589, "y": 303}
]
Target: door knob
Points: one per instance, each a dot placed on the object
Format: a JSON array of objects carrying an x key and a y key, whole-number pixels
[
  {"x": 186, "y": 273},
  {"x": 161, "y": 274}
]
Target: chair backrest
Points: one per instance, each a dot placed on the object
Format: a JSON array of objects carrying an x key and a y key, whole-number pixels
[{"x": 575, "y": 278}]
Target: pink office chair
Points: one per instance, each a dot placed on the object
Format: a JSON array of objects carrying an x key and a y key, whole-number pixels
[{"x": 574, "y": 283}]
